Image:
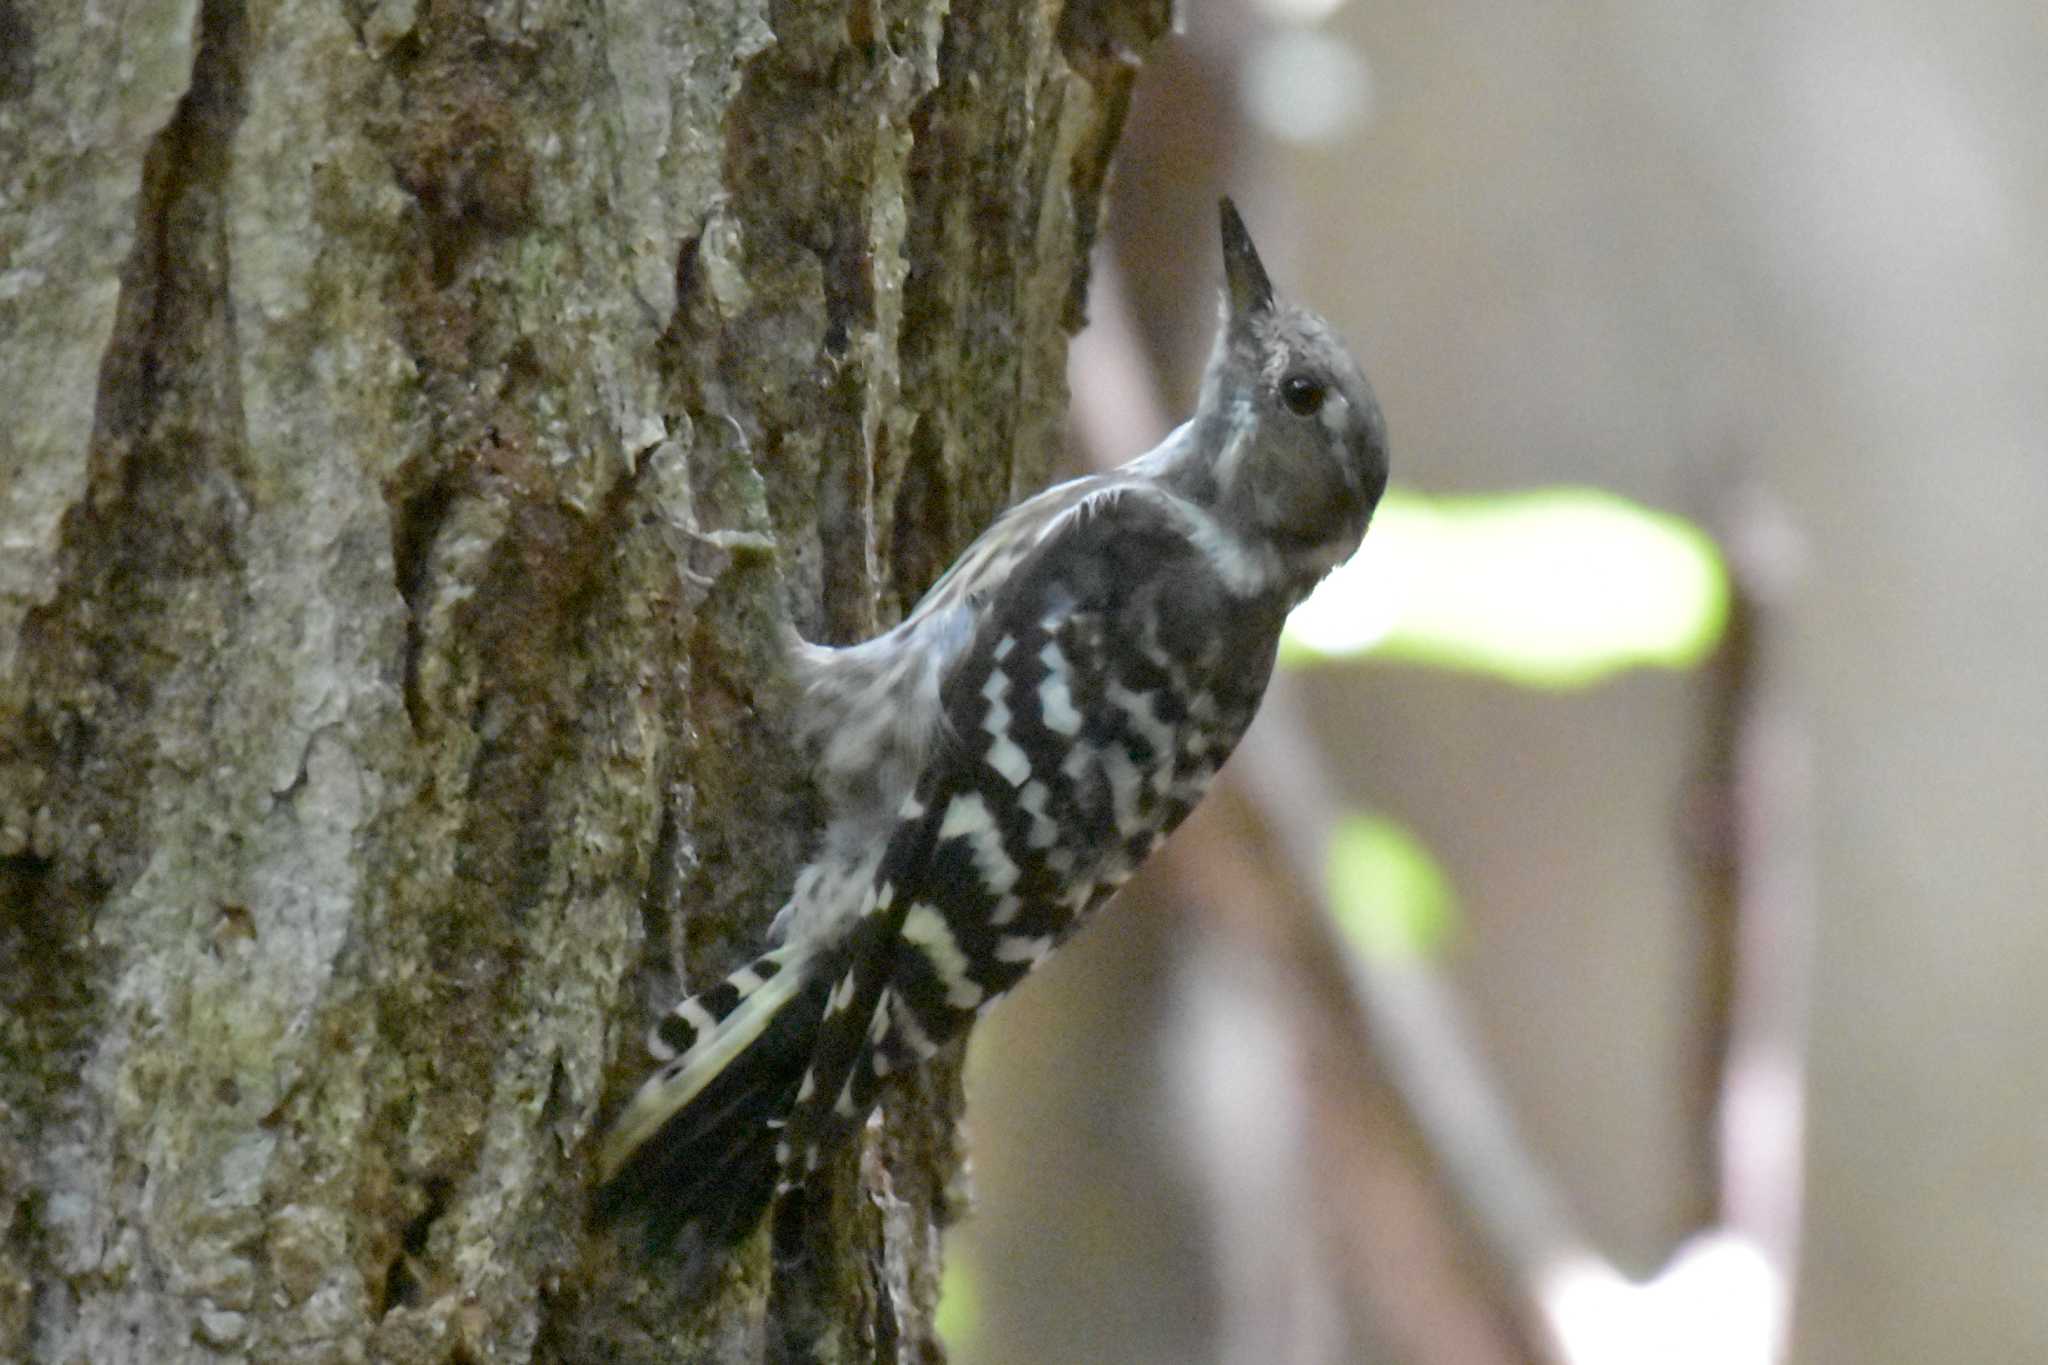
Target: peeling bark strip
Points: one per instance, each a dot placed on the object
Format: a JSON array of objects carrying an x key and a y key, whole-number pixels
[{"x": 398, "y": 394}]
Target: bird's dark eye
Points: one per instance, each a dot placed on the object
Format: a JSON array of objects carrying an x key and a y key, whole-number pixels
[{"x": 1302, "y": 395}]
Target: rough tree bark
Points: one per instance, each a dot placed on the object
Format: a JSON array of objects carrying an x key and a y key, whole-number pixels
[{"x": 417, "y": 416}]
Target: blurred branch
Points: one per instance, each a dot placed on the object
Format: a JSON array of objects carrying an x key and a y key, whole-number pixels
[
  {"x": 1758, "y": 878},
  {"x": 1378, "y": 1192},
  {"x": 1444, "y": 1220},
  {"x": 1392, "y": 1220}
]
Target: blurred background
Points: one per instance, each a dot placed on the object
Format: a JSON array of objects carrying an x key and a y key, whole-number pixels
[{"x": 1623, "y": 938}]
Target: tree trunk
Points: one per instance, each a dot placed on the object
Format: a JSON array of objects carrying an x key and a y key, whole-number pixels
[{"x": 418, "y": 417}]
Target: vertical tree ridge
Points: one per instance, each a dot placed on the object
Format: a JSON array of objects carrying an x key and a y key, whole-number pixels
[{"x": 421, "y": 420}]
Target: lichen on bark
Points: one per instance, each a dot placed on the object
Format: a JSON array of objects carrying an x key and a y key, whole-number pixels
[{"x": 421, "y": 415}]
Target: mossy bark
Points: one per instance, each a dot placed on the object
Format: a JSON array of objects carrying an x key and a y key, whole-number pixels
[{"x": 418, "y": 417}]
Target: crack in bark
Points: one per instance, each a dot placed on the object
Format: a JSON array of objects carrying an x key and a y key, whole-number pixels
[{"x": 592, "y": 700}]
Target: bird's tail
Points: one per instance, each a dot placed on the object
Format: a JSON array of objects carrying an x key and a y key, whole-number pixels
[{"x": 697, "y": 1143}]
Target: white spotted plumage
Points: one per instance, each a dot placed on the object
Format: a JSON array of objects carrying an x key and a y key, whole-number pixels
[
  {"x": 997, "y": 764},
  {"x": 925, "y": 929}
]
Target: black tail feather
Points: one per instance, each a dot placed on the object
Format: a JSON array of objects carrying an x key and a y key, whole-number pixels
[{"x": 713, "y": 1163}]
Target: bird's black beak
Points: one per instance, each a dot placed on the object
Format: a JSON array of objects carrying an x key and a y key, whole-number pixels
[{"x": 1244, "y": 279}]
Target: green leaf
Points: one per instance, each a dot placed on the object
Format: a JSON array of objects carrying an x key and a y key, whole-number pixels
[
  {"x": 1551, "y": 588},
  {"x": 1389, "y": 896},
  {"x": 958, "y": 1316}
]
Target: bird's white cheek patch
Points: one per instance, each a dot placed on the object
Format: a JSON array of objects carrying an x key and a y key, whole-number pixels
[{"x": 1335, "y": 414}]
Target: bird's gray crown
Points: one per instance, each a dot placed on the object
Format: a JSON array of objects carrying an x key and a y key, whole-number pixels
[{"x": 1287, "y": 447}]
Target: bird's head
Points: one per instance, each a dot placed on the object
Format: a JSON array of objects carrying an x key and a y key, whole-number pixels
[{"x": 1293, "y": 446}]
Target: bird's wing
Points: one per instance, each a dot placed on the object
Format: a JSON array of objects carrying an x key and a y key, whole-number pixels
[{"x": 1099, "y": 671}]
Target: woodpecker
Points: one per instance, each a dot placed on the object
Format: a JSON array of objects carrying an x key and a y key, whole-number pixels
[{"x": 999, "y": 763}]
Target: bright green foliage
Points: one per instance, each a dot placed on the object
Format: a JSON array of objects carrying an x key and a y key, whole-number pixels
[
  {"x": 1388, "y": 895},
  {"x": 958, "y": 1317},
  {"x": 1553, "y": 588}
]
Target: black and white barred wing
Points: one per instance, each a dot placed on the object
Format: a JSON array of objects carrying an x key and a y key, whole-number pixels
[
  {"x": 1109, "y": 672},
  {"x": 1108, "y": 677}
]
